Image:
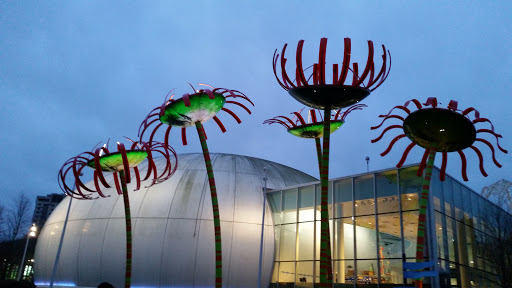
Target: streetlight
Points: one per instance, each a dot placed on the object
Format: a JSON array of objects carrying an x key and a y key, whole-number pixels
[{"x": 32, "y": 233}]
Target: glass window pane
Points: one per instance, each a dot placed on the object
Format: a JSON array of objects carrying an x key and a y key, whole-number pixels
[
  {"x": 306, "y": 203},
  {"x": 457, "y": 201},
  {"x": 318, "y": 200},
  {"x": 410, "y": 187},
  {"x": 363, "y": 195},
  {"x": 387, "y": 189},
  {"x": 440, "y": 234},
  {"x": 344, "y": 239},
  {"x": 305, "y": 241},
  {"x": 287, "y": 273},
  {"x": 343, "y": 271},
  {"x": 391, "y": 271},
  {"x": 450, "y": 235},
  {"x": 274, "y": 198},
  {"x": 304, "y": 274},
  {"x": 367, "y": 272},
  {"x": 390, "y": 241},
  {"x": 366, "y": 237},
  {"x": 343, "y": 197},
  {"x": 410, "y": 224},
  {"x": 289, "y": 213},
  {"x": 436, "y": 188},
  {"x": 448, "y": 196},
  {"x": 287, "y": 245}
]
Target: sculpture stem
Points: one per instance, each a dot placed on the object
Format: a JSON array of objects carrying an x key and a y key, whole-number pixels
[
  {"x": 128, "y": 221},
  {"x": 325, "y": 236},
  {"x": 215, "y": 206},
  {"x": 319, "y": 154},
  {"x": 422, "y": 218}
]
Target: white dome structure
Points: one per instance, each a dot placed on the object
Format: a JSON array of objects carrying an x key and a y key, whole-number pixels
[{"x": 173, "y": 238}]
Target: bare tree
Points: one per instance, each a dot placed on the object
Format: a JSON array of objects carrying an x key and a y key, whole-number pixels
[
  {"x": 500, "y": 193},
  {"x": 18, "y": 217}
]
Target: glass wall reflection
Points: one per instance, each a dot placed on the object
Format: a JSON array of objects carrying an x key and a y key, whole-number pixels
[{"x": 373, "y": 225}]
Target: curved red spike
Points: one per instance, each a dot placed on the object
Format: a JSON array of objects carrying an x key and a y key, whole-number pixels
[
  {"x": 495, "y": 135},
  {"x": 404, "y": 155},
  {"x": 241, "y": 105},
  {"x": 219, "y": 123},
  {"x": 416, "y": 102},
  {"x": 355, "y": 73},
  {"x": 285, "y": 77},
  {"x": 232, "y": 114},
  {"x": 154, "y": 132},
  {"x": 186, "y": 99},
  {"x": 492, "y": 150},
  {"x": 97, "y": 184},
  {"x": 98, "y": 167},
  {"x": 480, "y": 120},
  {"x": 346, "y": 61},
  {"x": 321, "y": 61},
  {"x": 118, "y": 187},
  {"x": 315, "y": 74},
  {"x": 452, "y": 105},
  {"x": 423, "y": 162},
  {"x": 431, "y": 101},
  {"x": 141, "y": 135},
  {"x": 287, "y": 119},
  {"x": 126, "y": 164},
  {"x": 383, "y": 73},
  {"x": 274, "y": 65},
  {"x": 210, "y": 94},
  {"x": 184, "y": 135},
  {"x": 386, "y": 130},
  {"x": 386, "y": 118},
  {"x": 397, "y": 107},
  {"x": 299, "y": 117},
  {"x": 481, "y": 158},
  {"x": 145, "y": 121},
  {"x": 166, "y": 137},
  {"x": 312, "y": 112},
  {"x": 274, "y": 121},
  {"x": 469, "y": 110},
  {"x": 369, "y": 63},
  {"x": 391, "y": 144},
  {"x": 464, "y": 165},
  {"x": 301, "y": 79},
  {"x": 443, "y": 166},
  {"x": 335, "y": 74}
]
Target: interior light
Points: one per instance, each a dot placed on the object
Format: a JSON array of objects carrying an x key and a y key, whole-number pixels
[{"x": 409, "y": 198}]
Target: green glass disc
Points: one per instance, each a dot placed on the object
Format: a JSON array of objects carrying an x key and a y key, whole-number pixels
[
  {"x": 314, "y": 130},
  {"x": 201, "y": 109},
  {"x": 114, "y": 162}
]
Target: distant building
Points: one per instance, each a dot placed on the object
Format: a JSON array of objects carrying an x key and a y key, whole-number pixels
[{"x": 44, "y": 207}]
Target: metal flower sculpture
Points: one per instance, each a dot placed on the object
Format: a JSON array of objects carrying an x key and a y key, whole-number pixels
[
  {"x": 313, "y": 128},
  {"x": 191, "y": 110},
  {"x": 437, "y": 130},
  {"x": 321, "y": 95},
  {"x": 120, "y": 163}
]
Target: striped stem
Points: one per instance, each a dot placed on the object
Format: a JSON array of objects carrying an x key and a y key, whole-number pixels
[
  {"x": 325, "y": 236},
  {"x": 215, "y": 206},
  {"x": 319, "y": 153},
  {"x": 128, "y": 221},
  {"x": 422, "y": 218}
]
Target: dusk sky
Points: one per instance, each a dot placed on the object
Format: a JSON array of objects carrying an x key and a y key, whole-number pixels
[{"x": 75, "y": 73}]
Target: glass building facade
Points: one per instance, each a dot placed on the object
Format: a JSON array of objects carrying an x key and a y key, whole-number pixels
[{"x": 373, "y": 225}]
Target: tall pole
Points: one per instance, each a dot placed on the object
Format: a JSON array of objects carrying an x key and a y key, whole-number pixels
[
  {"x": 54, "y": 271},
  {"x": 23, "y": 260},
  {"x": 262, "y": 227},
  {"x": 32, "y": 233}
]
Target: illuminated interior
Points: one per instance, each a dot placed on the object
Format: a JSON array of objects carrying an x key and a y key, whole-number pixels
[{"x": 373, "y": 225}]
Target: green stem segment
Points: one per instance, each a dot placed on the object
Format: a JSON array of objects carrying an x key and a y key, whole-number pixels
[
  {"x": 128, "y": 221},
  {"x": 215, "y": 206},
  {"x": 422, "y": 218},
  {"x": 319, "y": 153},
  {"x": 325, "y": 236}
]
